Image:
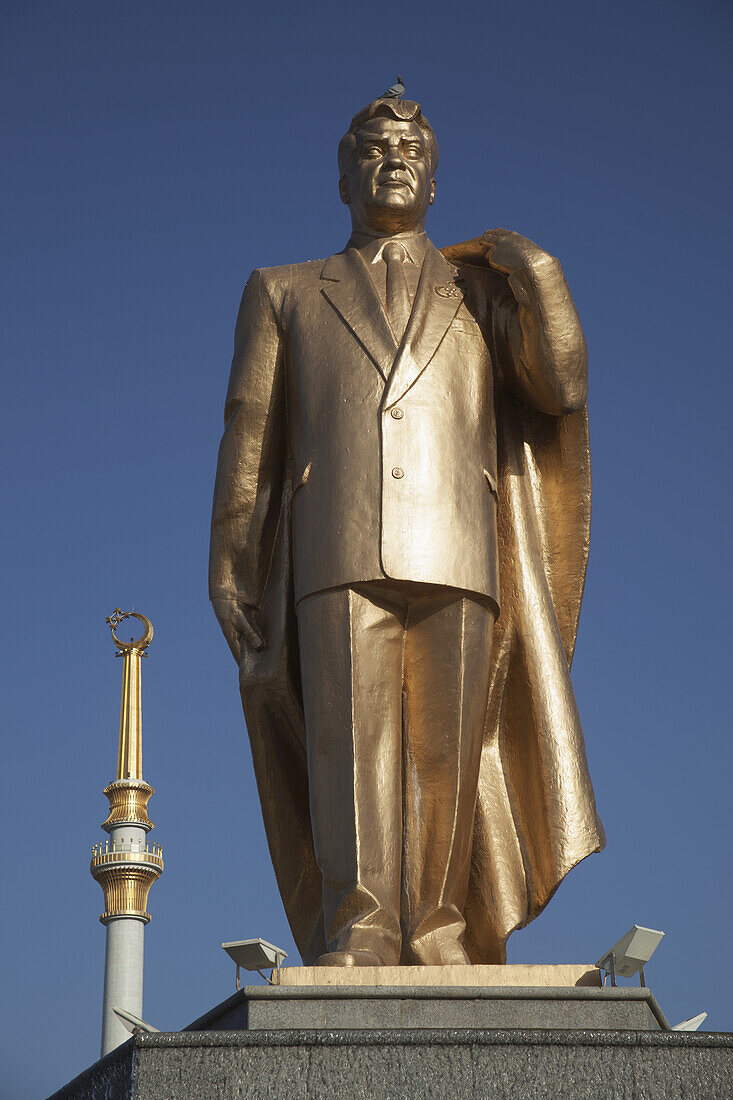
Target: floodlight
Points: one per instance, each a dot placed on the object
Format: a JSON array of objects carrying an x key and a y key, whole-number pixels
[
  {"x": 631, "y": 953},
  {"x": 692, "y": 1024},
  {"x": 254, "y": 955},
  {"x": 133, "y": 1023}
]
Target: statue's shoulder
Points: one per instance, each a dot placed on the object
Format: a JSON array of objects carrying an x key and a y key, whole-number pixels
[
  {"x": 284, "y": 285},
  {"x": 287, "y": 277}
]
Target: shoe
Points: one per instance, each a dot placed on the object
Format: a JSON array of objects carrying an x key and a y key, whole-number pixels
[
  {"x": 350, "y": 958},
  {"x": 431, "y": 950}
]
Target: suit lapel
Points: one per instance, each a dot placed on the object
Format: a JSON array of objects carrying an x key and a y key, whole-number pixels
[
  {"x": 351, "y": 292},
  {"x": 436, "y": 303}
]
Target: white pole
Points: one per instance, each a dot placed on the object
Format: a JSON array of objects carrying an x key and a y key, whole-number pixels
[
  {"x": 123, "y": 978},
  {"x": 123, "y": 959}
]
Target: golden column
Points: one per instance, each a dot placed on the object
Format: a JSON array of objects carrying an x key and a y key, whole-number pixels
[{"x": 125, "y": 866}]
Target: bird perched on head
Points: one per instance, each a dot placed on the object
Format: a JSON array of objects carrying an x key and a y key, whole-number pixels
[{"x": 396, "y": 91}]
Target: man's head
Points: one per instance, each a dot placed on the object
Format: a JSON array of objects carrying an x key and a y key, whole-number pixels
[{"x": 387, "y": 161}]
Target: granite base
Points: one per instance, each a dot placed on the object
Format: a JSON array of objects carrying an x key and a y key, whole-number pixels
[{"x": 404, "y": 1063}]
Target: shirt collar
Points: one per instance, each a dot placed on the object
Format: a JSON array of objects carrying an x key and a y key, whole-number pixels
[{"x": 370, "y": 248}]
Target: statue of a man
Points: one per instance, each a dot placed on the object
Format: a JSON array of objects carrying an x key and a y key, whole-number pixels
[{"x": 399, "y": 543}]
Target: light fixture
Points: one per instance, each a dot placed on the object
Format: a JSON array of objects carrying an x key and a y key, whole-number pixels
[
  {"x": 254, "y": 955},
  {"x": 631, "y": 953}
]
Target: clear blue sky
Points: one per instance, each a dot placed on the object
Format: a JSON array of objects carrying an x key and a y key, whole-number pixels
[{"x": 154, "y": 153}]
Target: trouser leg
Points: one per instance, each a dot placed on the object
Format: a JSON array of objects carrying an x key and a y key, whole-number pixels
[
  {"x": 446, "y": 679},
  {"x": 351, "y": 650}
]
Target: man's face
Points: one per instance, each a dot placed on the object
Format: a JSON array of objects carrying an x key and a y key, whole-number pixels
[{"x": 389, "y": 185}]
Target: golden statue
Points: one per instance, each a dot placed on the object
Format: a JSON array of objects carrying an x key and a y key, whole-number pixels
[{"x": 398, "y": 552}]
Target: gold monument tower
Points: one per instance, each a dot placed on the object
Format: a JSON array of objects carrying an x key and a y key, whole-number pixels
[{"x": 125, "y": 866}]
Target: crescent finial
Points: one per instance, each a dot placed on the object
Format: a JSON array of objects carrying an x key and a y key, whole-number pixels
[{"x": 142, "y": 642}]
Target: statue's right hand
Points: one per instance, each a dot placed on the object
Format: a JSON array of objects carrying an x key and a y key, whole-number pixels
[{"x": 239, "y": 625}]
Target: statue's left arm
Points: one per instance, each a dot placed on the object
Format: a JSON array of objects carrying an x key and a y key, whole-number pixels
[{"x": 537, "y": 333}]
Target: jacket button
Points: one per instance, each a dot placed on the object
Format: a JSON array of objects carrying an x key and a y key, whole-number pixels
[
  {"x": 398, "y": 472},
  {"x": 397, "y": 414}
]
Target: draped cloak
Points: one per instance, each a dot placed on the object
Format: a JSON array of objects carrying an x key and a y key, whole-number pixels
[{"x": 535, "y": 815}]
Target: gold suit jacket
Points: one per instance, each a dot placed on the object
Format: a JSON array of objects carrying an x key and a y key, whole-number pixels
[
  {"x": 481, "y": 484},
  {"x": 390, "y": 451}
]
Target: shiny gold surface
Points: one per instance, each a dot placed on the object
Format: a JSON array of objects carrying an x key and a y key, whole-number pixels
[
  {"x": 404, "y": 664},
  {"x": 389, "y": 482},
  {"x": 130, "y": 745},
  {"x": 128, "y": 803},
  {"x": 126, "y": 875}
]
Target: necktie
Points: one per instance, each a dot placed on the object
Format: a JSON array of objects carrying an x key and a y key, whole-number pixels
[{"x": 398, "y": 297}]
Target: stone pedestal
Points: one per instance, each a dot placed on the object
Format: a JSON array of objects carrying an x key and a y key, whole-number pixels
[
  {"x": 324, "y": 1032},
  {"x": 406, "y": 1064},
  {"x": 357, "y": 1008}
]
